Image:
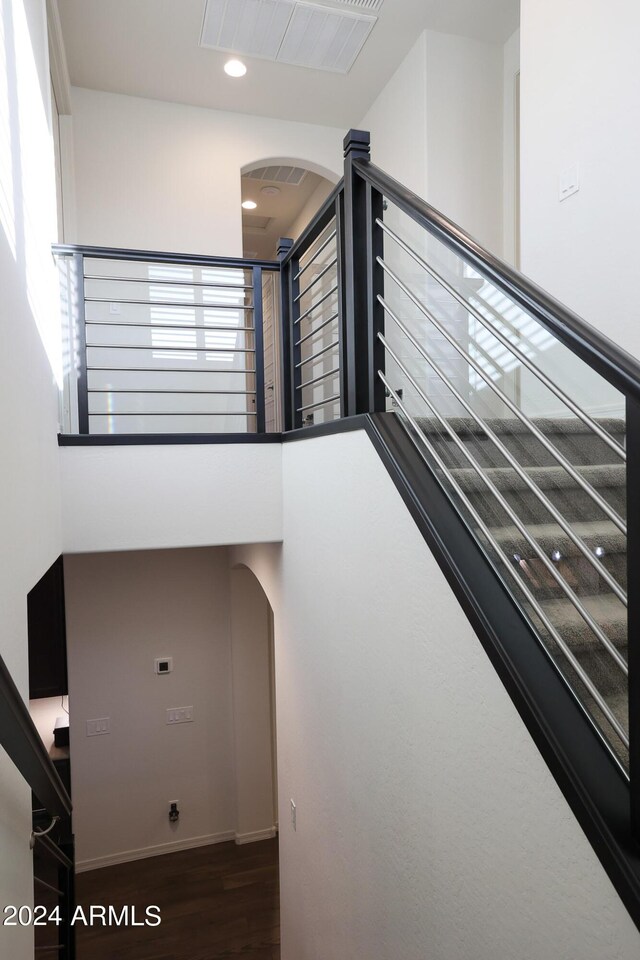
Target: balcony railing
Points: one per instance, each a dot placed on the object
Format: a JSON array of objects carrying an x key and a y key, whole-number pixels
[{"x": 166, "y": 343}]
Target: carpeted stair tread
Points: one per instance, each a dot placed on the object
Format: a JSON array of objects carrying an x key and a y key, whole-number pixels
[
  {"x": 595, "y": 533},
  {"x": 550, "y": 426},
  {"x": 606, "y": 609},
  {"x": 600, "y": 476}
]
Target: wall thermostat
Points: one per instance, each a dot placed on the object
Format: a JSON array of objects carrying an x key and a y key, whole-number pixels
[{"x": 164, "y": 665}]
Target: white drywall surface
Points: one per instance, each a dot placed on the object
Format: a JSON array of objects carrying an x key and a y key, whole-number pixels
[
  {"x": 164, "y": 176},
  {"x": 427, "y": 822},
  {"x": 397, "y": 122},
  {"x": 185, "y": 495},
  {"x": 580, "y": 91},
  {"x": 124, "y": 611},
  {"x": 251, "y": 706},
  {"x": 29, "y": 363}
]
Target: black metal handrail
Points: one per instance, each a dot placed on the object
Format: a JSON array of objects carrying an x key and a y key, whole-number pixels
[
  {"x": 22, "y": 742},
  {"x": 155, "y": 256},
  {"x": 604, "y": 356}
]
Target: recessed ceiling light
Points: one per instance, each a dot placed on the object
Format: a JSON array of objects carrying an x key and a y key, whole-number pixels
[
  {"x": 235, "y": 68},
  {"x": 249, "y": 205},
  {"x": 270, "y": 191}
]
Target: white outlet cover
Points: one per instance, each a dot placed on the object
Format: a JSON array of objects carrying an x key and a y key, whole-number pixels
[{"x": 115, "y": 308}]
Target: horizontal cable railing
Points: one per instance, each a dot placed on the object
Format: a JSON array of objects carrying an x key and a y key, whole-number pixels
[
  {"x": 163, "y": 343},
  {"x": 521, "y": 410},
  {"x": 313, "y": 346}
]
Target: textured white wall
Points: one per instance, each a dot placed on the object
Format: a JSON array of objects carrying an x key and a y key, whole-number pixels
[
  {"x": 397, "y": 122},
  {"x": 427, "y": 822},
  {"x": 464, "y": 133},
  {"x": 164, "y": 176},
  {"x": 29, "y": 361},
  {"x": 139, "y": 498},
  {"x": 250, "y": 643},
  {"x": 123, "y": 611},
  {"x": 580, "y": 94}
]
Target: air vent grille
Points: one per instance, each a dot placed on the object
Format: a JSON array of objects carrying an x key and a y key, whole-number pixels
[
  {"x": 371, "y": 5},
  {"x": 277, "y": 174},
  {"x": 289, "y": 31}
]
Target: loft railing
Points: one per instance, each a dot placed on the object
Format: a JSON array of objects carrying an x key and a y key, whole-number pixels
[{"x": 165, "y": 342}]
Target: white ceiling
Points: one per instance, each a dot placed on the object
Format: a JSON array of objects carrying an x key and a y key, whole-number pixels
[
  {"x": 281, "y": 212},
  {"x": 149, "y": 48}
]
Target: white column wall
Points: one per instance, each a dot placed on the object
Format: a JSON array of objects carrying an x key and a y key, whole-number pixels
[
  {"x": 29, "y": 366},
  {"x": 427, "y": 821}
]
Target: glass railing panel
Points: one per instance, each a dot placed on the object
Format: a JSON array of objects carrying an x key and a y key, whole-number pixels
[{"x": 529, "y": 442}]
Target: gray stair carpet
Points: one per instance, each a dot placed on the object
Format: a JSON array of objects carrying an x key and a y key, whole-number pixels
[{"x": 605, "y": 472}]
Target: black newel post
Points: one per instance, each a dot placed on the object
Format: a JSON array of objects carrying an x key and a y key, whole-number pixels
[
  {"x": 363, "y": 281},
  {"x": 288, "y": 406},
  {"x": 356, "y": 350},
  {"x": 633, "y": 610}
]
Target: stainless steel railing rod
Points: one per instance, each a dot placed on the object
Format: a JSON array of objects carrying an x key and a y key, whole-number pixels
[
  {"x": 319, "y": 353},
  {"x": 324, "y": 376},
  {"x": 559, "y": 457},
  {"x": 593, "y": 625},
  {"x": 319, "y": 276},
  {"x": 313, "y": 306},
  {"x": 506, "y": 453},
  {"x": 317, "y": 329},
  {"x": 513, "y": 348},
  {"x": 315, "y": 255},
  {"x": 540, "y": 613},
  {"x": 320, "y": 403}
]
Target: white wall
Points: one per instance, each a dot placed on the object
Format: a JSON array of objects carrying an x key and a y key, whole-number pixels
[
  {"x": 437, "y": 127},
  {"x": 29, "y": 363},
  {"x": 252, "y": 708},
  {"x": 123, "y": 611},
  {"x": 510, "y": 155},
  {"x": 580, "y": 92},
  {"x": 310, "y": 208},
  {"x": 464, "y": 133},
  {"x": 146, "y": 497},
  {"x": 164, "y": 176},
  {"x": 397, "y": 122},
  {"x": 427, "y": 822}
]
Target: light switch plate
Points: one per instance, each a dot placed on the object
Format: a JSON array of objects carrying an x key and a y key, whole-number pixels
[
  {"x": 569, "y": 182},
  {"x": 180, "y": 715},
  {"x": 97, "y": 728}
]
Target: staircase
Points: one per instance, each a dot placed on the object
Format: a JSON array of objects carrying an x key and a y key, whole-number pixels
[{"x": 598, "y": 464}]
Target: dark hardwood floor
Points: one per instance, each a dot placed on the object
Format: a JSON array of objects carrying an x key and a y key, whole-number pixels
[{"x": 216, "y": 902}]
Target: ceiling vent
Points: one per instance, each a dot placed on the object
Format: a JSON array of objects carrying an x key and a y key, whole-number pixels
[
  {"x": 250, "y": 221},
  {"x": 289, "y": 31},
  {"x": 277, "y": 174}
]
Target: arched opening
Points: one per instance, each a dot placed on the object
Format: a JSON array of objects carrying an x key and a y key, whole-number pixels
[
  {"x": 286, "y": 192},
  {"x": 253, "y": 697}
]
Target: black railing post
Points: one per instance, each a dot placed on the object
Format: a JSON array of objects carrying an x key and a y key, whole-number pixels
[
  {"x": 259, "y": 348},
  {"x": 78, "y": 313},
  {"x": 375, "y": 310},
  {"x": 284, "y": 245},
  {"x": 356, "y": 353},
  {"x": 633, "y": 609}
]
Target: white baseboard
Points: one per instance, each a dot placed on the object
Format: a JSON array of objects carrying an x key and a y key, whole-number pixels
[
  {"x": 256, "y": 835},
  {"x": 82, "y": 866}
]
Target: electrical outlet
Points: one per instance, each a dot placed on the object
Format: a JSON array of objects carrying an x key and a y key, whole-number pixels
[
  {"x": 180, "y": 715},
  {"x": 294, "y": 822},
  {"x": 174, "y": 812}
]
